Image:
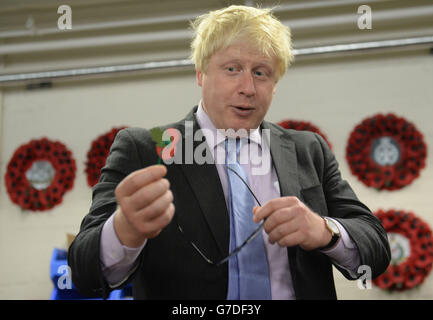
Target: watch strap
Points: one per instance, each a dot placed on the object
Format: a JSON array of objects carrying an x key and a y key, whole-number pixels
[{"x": 334, "y": 239}]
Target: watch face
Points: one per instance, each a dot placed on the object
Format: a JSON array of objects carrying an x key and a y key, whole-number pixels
[{"x": 333, "y": 226}]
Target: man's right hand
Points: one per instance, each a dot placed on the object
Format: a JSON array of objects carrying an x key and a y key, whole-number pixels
[{"x": 145, "y": 206}]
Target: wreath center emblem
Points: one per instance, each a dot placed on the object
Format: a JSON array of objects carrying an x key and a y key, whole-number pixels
[
  {"x": 41, "y": 174},
  {"x": 400, "y": 248},
  {"x": 385, "y": 151}
]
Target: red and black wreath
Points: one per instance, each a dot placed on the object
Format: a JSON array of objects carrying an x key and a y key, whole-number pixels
[
  {"x": 411, "y": 243},
  {"x": 386, "y": 152},
  {"x": 303, "y": 126},
  {"x": 97, "y": 155},
  {"x": 39, "y": 173}
]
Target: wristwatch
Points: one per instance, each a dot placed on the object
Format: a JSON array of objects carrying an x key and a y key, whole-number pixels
[{"x": 335, "y": 232}]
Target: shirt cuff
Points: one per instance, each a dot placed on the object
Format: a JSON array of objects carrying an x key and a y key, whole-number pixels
[
  {"x": 345, "y": 253},
  {"x": 117, "y": 259}
]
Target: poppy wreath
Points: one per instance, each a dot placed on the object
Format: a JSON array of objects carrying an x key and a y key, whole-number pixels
[
  {"x": 303, "y": 126},
  {"x": 25, "y": 193},
  {"x": 386, "y": 152},
  {"x": 411, "y": 245},
  {"x": 97, "y": 155}
]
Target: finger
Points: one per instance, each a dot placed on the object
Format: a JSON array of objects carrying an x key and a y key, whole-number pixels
[
  {"x": 282, "y": 231},
  {"x": 156, "y": 208},
  {"x": 279, "y": 217},
  {"x": 140, "y": 178},
  {"x": 291, "y": 240},
  {"x": 154, "y": 227},
  {"x": 273, "y": 205},
  {"x": 146, "y": 195},
  {"x": 255, "y": 210}
]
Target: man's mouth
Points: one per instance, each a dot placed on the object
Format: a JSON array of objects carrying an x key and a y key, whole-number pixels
[
  {"x": 243, "y": 111},
  {"x": 244, "y": 107}
]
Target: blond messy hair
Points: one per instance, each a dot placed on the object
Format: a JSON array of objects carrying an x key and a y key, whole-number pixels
[{"x": 218, "y": 29}]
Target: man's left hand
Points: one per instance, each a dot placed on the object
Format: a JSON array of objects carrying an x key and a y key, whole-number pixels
[{"x": 289, "y": 222}]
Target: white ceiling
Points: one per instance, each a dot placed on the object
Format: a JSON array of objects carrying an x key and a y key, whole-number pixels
[
  {"x": 34, "y": 20},
  {"x": 30, "y": 39}
]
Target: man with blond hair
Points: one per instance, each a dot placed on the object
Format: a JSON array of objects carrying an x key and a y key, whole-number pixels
[{"x": 218, "y": 230}]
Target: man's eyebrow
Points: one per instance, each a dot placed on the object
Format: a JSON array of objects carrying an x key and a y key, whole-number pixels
[
  {"x": 227, "y": 60},
  {"x": 265, "y": 64},
  {"x": 239, "y": 61}
]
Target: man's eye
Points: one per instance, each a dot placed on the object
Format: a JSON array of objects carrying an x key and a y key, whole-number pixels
[
  {"x": 231, "y": 69},
  {"x": 260, "y": 73}
]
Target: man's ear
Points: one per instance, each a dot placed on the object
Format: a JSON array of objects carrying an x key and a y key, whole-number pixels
[
  {"x": 199, "y": 76},
  {"x": 274, "y": 90}
]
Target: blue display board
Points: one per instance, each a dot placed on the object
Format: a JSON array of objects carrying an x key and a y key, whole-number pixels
[{"x": 64, "y": 289}]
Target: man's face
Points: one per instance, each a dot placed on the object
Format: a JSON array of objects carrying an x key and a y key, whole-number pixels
[{"x": 238, "y": 87}]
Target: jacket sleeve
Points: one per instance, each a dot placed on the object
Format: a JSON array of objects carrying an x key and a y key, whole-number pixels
[
  {"x": 365, "y": 230},
  {"x": 84, "y": 253}
]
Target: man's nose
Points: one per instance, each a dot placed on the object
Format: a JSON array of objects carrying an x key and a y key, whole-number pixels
[{"x": 247, "y": 86}]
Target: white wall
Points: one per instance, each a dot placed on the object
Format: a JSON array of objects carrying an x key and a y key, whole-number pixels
[{"x": 335, "y": 96}]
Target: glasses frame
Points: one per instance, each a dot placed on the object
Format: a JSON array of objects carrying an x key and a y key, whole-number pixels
[{"x": 235, "y": 251}]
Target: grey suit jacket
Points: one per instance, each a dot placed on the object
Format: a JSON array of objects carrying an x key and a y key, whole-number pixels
[{"x": 168, "y": 266}]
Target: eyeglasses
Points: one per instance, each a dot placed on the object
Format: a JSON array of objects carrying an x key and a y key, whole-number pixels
[{"x": 236, "y": 250}]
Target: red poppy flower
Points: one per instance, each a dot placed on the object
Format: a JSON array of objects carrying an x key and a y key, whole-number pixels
[
  {"x": 423, "y": 260},
  {"x": 398, "y": 276},
  {"x": 413, "y": 279},
  {"x": 385, "y": 281},
  {"x": 389, "y": 221},
  {"x": 169, "y": 150},
  {"x": 374, "y": 180},
  {"x": 165, "y": 149}
]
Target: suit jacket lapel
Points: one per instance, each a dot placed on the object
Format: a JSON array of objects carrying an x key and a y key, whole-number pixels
[
  {"x": 206, "y": 185},
  {"x": 283, "y": 151},
  {"x": 283, "y": 154}
]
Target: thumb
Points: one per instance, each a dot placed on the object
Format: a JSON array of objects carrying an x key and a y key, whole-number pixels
[{"x": 254, "y": 212}]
